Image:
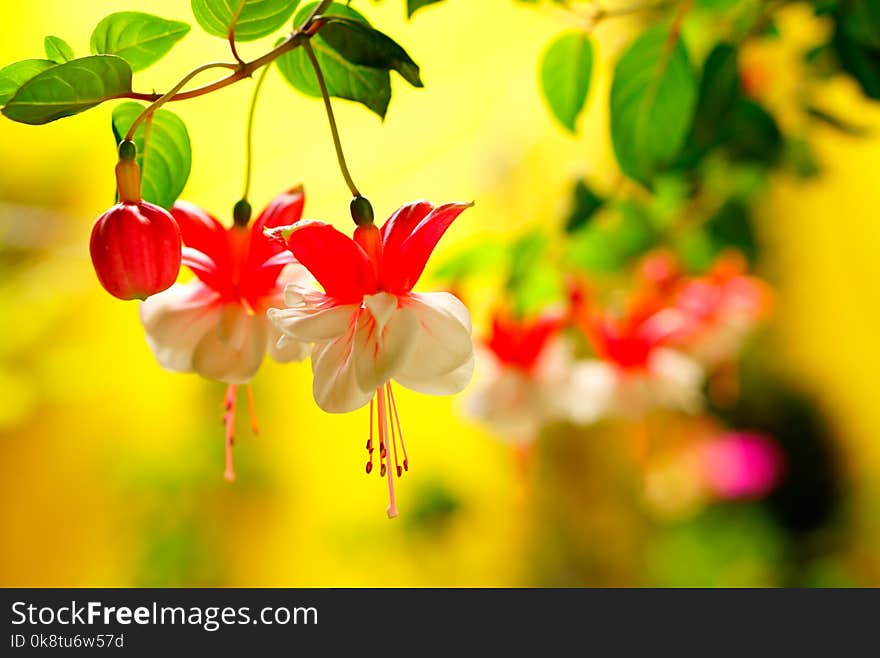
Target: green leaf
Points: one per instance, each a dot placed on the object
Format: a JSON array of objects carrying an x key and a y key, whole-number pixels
[
  {"x": 652, "y": 101},
  {"x": 167, "y": 158},
  {"x": 751, "y": 134},
  {"x": 412, "y": 6},
  {"x": 360, "y": 44},
  {"x": 586, "y": 203},
  {"x": 860, "y": 61},
  {"x": 69, "y": 89},
  {"x": 140, "y": 39},
  {"x": 16, "y": 74},
  {"x": 251, "y": 19},
  {"x": 566, "y": 68},
  {"x": 370, "y": 87},
  {"x": 731, "y": 227},
  {"x": 57, "y": 50},
  {"x": 861, "y": 21}
]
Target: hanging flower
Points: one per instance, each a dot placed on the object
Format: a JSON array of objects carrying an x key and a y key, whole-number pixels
[
  {"x": 526, "y": 379},
  {"x": 368, "y": 326},
  {"x": 636, "y": 366},
  {"x": 135, "y": 246},
  {"x": 216, "y": 325}
]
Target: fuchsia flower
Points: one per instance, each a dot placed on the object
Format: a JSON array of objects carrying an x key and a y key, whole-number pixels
[
  {"x": 718, "y": 311},
  {"x": 527, "y": 381},
  {"x": 216, "y": 325},
  {"x": 368, "y": 326},
  {"x": 640, "y": 371},
  {"x": 135, "y": 245}
]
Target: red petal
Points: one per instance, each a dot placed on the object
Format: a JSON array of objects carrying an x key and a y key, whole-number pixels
[
  {"x": 401, "y": 225},
  {"x": 201, "y": 231},
  {"x": 283, "y": 210},
  {"x": 334, "y": 259},
  {"x": 265, "y": 260},
  {"x": 402, "y": 267}
]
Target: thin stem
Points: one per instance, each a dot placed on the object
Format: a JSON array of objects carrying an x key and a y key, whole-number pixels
[
  {"x": 249, "y": 136},
  {"x": 340, "y": 156},
  {"x": 296, "y": 39},
  {"x": 163, "y": 99}
]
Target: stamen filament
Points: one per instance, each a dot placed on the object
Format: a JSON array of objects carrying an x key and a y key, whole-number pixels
[
  {"x": 393, "y": 434},
  {"x": 383, "y": 432},
  {"x": 397, "y": 421},
  {"x": 252, "y": 410},
  {"x": 229, "y": 421},
  {"x": 370, "y": 442}
]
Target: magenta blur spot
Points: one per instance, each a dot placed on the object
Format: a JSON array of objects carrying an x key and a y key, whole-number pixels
[{"x": 740, "y": 465}]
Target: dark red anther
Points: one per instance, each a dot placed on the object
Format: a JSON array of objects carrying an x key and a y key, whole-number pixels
[
  {"x": 399, "y": 471},
  {"x": 382, "y": 472},
  {"x": 369, "y": 467},
  {"x": 406, "y": 464},
  {"x": 369, "y": 445}
]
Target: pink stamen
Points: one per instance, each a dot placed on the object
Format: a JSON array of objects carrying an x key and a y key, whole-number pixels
[
  {"x": 396, "y": 418},
  {"x": 252, "y": 410},
  {"x": 386, "y": 467},
  {"x": 370, "y": 442},
  {"x": 229, "y": 421},
  {"x": 393, "y": 432}
]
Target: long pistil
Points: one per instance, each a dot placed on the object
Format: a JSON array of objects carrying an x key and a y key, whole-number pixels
[
  {"x": 383, "y": 434},
  {"x": 229, "y": 422}
]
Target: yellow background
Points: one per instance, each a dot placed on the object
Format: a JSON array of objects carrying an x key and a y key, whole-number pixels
[{"x": 111, "y": 468}]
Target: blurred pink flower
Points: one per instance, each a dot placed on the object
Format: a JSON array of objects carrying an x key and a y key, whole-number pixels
[{"x": 741, "y": 465}]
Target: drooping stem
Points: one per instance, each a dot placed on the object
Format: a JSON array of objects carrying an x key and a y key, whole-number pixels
[
  {"x": 241, "y": 70},
  {"x": 340, "y": 156},
  {"x": 155, "y": 105},
  {"x": 249, "y": 136}
]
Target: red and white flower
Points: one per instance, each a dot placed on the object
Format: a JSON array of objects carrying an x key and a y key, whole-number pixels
[
  {"x": 720, "y": 310},
  {"x": 639, "y": 371},
  {"x": 526, "y": 379},
  {"x": 369, "y": 327},
  {"x": 216, "y": 325}
]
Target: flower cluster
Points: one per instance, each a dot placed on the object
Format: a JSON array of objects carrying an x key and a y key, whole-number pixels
[
  {"x": 653, "y": 347},
  {"x": 255, "y": 293}
]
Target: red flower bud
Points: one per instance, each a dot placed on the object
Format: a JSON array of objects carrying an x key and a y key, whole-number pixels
[{"x": 136, "y": 250}]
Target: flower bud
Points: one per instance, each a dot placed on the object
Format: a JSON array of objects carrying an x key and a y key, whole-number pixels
[
  {"x": 136, "y": 250},
  {"x": 361, "y": 211}
]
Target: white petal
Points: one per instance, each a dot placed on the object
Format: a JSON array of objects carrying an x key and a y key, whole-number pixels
[
  {"x": 312, "y": 317},
  {"x": 506, "y": 400},
  {"x": 448, "y": 383},
  {"x": 234, "y": 350},
  {"x": 379, "y": 352},
  {"x": 297, "y": 294},
  {"x": 335, "y": 384},
  {"x": 381, "y": 306},
  {"x": 281, "y": 348},
  {"x": 316, "y": 324},
  {"x": 284, "y": 349},
  {"x": 677, "y": 380},
  {"x": 591, "y": 385},
  {"x": 295, "y": 274},
  {"x": 176, "y": 320},
  {"x": 443, "y": 347}
]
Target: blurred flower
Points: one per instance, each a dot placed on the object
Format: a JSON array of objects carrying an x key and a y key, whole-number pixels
[
  {"x": 633, "y": 363},
  {"x": 719, "y": 310},
  {"x": 740, "y": 465},
  {"x": 216, "y": 325},
  {"x": 368, "y": 327},
  {"x": 525, "y": 378}
]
